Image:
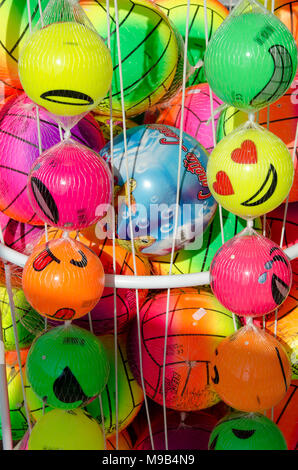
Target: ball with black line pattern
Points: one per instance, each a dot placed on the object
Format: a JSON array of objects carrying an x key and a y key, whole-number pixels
[
  {"x": 128, "y": 390},
  {"x": 67, "y": 367},
  {"x": 19, "y": 149},
  {"x": 14, "y": 31},
  {"x": 149, "y": 53},
  {"x": 176, "y": 11},
  {"x": 24, "y": 315},
  {"x": 196, "y": 324},
  {"x": 17, "y": 412},
  {"x": 250, "y": 370},
  {"x": 246, "y": 431},
  {"x": 251, "y": 60}
]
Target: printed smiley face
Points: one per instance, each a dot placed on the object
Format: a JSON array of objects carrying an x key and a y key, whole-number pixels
[
  {"x": 250, "y": 275},
  {"x": 242, "y": 431},
  {"x": 63, "y": 279},
  {"x": 60, "y": 65},
  {"x": 250, "y": 171},
  {"x": 250, "y": 370}
]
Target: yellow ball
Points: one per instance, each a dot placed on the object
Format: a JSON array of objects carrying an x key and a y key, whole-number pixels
[
  {"x": 66, "y": 430},
  {"x": 66, "y": 68},
  {"x": 250, "y": 171}
]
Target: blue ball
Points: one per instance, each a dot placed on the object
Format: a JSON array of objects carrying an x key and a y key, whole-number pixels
[{"x": 151, "y": 172}]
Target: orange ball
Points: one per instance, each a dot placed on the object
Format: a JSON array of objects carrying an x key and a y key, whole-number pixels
[
  {"x": 250, "y": 370},
  {"x": 286, "y": 416},
  {"x": 63, "y": 279}
]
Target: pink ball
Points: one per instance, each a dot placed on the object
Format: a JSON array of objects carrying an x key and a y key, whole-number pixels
[
  {"x": 18, "y": 236},
  {"x": 70, "y": 186},
  {"x": 197, "y": 111},
  {"x": 19, "y": 149},
  {"x": 250, "y": 275}
]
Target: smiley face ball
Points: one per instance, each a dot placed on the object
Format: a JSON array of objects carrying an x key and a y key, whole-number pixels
[
  {"x": 63, "y": 279},
  {"x": 250, "y": 370},
  {"x": 67, "y": 366},
  {"x": 69, "y": 186},
  {"x": 250, "y": 275},
  {"x": 242, "y": 431},
  {"x": 250, "y": 171},
  {"x": 251, "y": 60},
  {"x": 65, "y": 68}
]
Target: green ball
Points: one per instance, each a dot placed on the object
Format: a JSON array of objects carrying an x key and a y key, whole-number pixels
[
  {"x": 25, "y": 314},
  {"x": 67, "y": 366},
  {"x": 251, "y": 60},
  {"x": 130, "y": 394},
  {"x": 17, "y": 411},
  {"x": 149, "y": 53},
  {"x": 246, "y": 431}
]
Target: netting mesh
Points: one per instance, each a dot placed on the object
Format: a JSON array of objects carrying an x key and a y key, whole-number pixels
[{"x": 169, "y": 351}]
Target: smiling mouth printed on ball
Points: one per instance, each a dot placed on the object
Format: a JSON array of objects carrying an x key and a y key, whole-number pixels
[{"x": 71, "y": 97}]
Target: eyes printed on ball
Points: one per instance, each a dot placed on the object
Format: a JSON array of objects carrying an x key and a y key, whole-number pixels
[
  {"x": 279, "y": 288},
  {"x": 46, "y": 257}
]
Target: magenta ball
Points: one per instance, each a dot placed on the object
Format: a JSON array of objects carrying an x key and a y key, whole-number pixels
[
  {"x": 70, "y": 186},
  {"x": 191, "y": 433},
  {"x": 197, "y": 112},
  {"x": 250, "y": 275},
  {"x": 19, "y": 236},
  {"x": 19, "y": 149}
]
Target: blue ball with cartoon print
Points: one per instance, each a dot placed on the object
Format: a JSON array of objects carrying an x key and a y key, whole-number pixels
[{"x": 145, "y": 184}]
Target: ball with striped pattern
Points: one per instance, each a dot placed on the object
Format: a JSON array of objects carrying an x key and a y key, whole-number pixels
[{"x": 196, "y": 324}]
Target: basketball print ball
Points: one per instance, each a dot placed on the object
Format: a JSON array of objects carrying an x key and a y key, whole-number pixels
[
  {"x": 287, "y": 12},
  {"x": 19, "y": 148},
  {"x": 266, "y": 59},
  {"x": 63, "y": 279},
  {"x": 285, "y": 415},
  {"x": 124, "y": 441},
  {"x": 149, "y": 53},
  {"x": 176, "y": 12},
  {"x": 130, "y": 394},
  {"x": 197, "y": 111},
  {"x": 197, "y": 323},
  {"x": 18, "y": 419},
  {"x": 24, "y": 315},
  {"x": 189, "y": 432},
  {"x": 250, "y": 370},
  {"x": 14, "y": 31},
  {"x": 20, "y": 237},
  {"x": 102, "y": 315}
]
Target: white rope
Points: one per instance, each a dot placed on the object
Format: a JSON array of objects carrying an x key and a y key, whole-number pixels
[
  {"x": 176, "y": 222},
  {"x": 15, "y": 332},
  {"x": 111, "y": 123},
  {"x": 130, "y": 218}
]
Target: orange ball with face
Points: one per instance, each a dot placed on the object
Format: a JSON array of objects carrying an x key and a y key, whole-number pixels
[{"x": 63, "y": 279}]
